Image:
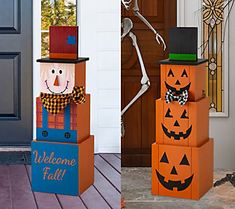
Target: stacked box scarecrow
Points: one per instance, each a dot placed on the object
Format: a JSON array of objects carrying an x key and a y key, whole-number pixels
[
  {"x": 63, "y": 152},
  {"x": 182, "y": 157}
]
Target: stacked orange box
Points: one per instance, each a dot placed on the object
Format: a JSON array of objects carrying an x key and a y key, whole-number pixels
[
  {"x": 63, "y": 152},
  {"x": 182, "y": 157}
]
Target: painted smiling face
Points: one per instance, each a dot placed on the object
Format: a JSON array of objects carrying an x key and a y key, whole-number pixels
[
  {"x": 172, "y": 169},
  {"x": 176, "y": 123},
  {"x": 178, "y": 78},
  {"x": 57, "y": 78},
  {"x": 178, "y": 175},
  {"x": 179, "y": 171},
  {"x": 185, "y": 125}
]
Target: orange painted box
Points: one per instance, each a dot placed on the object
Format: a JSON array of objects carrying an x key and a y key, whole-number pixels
[
  {"x": 179, "y": 76},
  {"x": 186, "y": 125},
  {"x": 62, "y": 168},
  {"x": 71, "y": 125},
  {"x": 183, "y": 172}
]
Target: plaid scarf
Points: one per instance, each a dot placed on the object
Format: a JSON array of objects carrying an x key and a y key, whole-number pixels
[
  {"x": 182, "y": 98},
  {"x": 55, "y": 103}
]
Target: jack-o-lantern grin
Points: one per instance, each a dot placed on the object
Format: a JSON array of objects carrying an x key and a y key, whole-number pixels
[
  {"x": 177, "y": 136},
  {"x": 178, "y": 92},
  {"x": 174, "y": 184},
  {"x": 171, "y": 184}
]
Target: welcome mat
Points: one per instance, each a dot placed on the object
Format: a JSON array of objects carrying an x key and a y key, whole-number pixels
[{"x": 15, "y": 158}]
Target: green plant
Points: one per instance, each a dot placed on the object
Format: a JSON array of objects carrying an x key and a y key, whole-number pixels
[{"x": 57, "y": 12}]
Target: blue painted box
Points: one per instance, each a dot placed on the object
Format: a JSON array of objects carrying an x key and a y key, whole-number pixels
[{"x": 62, "y": 168}]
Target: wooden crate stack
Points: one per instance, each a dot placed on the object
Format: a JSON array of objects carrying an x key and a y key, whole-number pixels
[
  {"x": 63, "y": 152},
  {"x": 182, "y": 157}
]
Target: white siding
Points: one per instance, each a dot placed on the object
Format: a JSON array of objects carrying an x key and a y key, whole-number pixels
[{"x": 99, "y": 23}]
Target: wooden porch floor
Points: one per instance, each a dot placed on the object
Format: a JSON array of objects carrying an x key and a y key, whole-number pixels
[{"x": 15, "y": 188}]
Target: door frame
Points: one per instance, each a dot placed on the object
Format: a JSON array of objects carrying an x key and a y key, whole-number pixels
[
  {"x": 36, "y": 55},
  {"x": 23, "y": 147}
]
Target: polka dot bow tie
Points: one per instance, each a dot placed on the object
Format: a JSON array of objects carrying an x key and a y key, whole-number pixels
[{"x": 182, "y": 98}]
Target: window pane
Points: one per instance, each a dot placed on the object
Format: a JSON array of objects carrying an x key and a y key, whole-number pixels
[
  {"x": 56, "y": 12},
  {"x": 213, "y": 18}
]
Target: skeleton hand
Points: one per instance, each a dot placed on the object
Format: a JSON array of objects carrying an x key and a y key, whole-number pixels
[
  {"x": 160, "y": 41},
  {"x": 137, "y": 13},
  {"x": 126, "y": 4}
]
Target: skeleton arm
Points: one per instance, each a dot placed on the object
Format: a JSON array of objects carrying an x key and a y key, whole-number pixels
[
  {"x": 146, "y": 22},
  {"x": 144, "y": 80}
]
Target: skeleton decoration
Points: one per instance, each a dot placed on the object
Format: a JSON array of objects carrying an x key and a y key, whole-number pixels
[{"x": 127, "y": 26}]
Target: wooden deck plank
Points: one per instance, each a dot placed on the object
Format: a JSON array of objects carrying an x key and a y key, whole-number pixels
[
  {"x": 113, "y": 161},
  {"x": 109, "y": 172},
  {"x": 104, "y": 194},
  {"x": 108, "y": 192},
  {"x": 70, "y": 202},
  {"x": 92, "y": 199},
  {"x": 5, "y": 188},
  {"x": 118, "y": 155},
  {"x": 22, "y": 195},
  {"x": 44, "y": 200}
]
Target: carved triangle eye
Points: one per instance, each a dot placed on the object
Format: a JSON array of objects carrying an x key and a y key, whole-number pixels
[
  {"x": 168, "y": 114},
  {"x": 184, "y": 114},
  {"x": 184, "y": 74},
  {"x": 170, "y": 73},
  {"x": 164, "y": 159},
  {"x": 184, "y": 161}
]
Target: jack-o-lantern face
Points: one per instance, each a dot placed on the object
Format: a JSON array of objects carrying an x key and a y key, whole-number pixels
[
  {"x": 182, "y": 182},
  {"x": 185, "y": 125},
  {"x": 177, "y": 120},
  {"x": 57, "y": 78},
  {"x": 177, "y": 80},
  {"x": 180, "y": 171}
]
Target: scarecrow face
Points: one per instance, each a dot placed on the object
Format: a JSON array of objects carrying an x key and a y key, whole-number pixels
[
  {"x": 174, "y": 171},
  {"x": 57, "y": 78},
  {"x": 176, "y": 122},
  {"x": 177, "y": 79}
]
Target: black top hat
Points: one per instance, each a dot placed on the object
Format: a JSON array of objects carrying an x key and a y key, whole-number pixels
[{"x": 183, "y": 43}]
